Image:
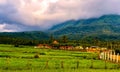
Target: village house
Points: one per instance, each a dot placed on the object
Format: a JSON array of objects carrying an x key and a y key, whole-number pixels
[
  {"x": 43, "y": 46},
  {"x": 66, "y": 47},
  {"x": 78, "y": 48},
  {"x": 55, "y": 42},
  {"x": 95, "y": 49}
]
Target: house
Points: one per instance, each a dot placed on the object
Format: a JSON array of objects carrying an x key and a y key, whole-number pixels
[
  {"x": 55, "y": 42},
  {"x": 66, "y": 47},
  {"x": 96, "y": 49},
  {"x": 93, "y": 49},
  {"x": 79, "y": 48},
  {"x": 43, "y": 46}
]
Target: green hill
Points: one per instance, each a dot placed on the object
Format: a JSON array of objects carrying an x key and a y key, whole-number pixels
[{"x": 107, "y": 26}]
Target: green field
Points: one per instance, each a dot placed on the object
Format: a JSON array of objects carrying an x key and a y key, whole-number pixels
[{"x": 22, "y": 59}]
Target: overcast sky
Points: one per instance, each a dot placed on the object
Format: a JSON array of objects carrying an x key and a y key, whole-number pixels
[{"x": 26, "y": 15}]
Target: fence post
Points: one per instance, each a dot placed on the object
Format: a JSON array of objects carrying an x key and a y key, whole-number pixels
[
  {"x": 117, "y": 60},
  {"x": 91, "y": 64},
  {"x": 77, "y": 64},
  {"x": 105, "y": 55},
  {"x": 7, "y": 62},
  {"x": 29, "y": 64},
  {"x": 46, "y": 66},
  {"x": 108, "y": 57},
  {"x": 114, "y": 57},
  {"x": 105, "y": 64},
  {"x": 62, "y": 64},
  {"x": 111, "y": 56}
]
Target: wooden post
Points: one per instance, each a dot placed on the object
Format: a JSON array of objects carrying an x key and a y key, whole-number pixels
[
  {"x": 117, "y": 60},
  {"x": 62, "y": 64},
  {"x": 91, "y": 64},
  {"x": 29, "y": 64},
  {"x": 108, "y": 56},
  {"x": 77, "y": 64},
  {"x": 105, "y": 64},
  {"x": 7, "y": 63},
  {"x": 104, "y": 55},
  {"x": 46, "y": 66},
  {"x": 111, "y": 56},
  {"x": 114, "y": 57}
]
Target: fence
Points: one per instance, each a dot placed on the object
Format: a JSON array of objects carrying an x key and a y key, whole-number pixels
[
  {"x": 110, "y": 56},
  {"x": 92, "y": 64}
]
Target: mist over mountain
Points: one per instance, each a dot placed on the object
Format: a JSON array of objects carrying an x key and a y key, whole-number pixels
[
  {"x": 36, "y": 15},
  {"x": 106, "y": 27}
]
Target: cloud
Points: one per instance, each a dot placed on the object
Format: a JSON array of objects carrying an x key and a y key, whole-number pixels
[
  {"x": 3, "y": 28},
  {"x": 22, "y": 15}
]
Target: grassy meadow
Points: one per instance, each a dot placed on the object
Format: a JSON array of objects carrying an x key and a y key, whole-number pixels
[{"x": 29, "y": 59}]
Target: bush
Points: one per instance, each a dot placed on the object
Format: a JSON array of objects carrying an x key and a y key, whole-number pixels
[
  {"x": 36, "y": 56},
  {"x": 42, "y": 53},
  {"x": 16, "y": 45}
]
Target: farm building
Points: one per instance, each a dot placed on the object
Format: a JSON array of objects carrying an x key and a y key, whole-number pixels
[
  {"x": 43, "y": 46},
  {"x": 95, "y": 49},
  {"x": 79, "y": 48},
  {"x": 55, "y": 42},
  {"x": 66, "y": 47}
]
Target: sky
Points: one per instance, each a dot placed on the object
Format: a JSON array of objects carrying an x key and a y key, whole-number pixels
[{"x": 32, "y": 15}]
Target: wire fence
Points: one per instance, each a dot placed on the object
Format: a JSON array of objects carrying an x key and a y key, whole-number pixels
[{"x": 92, "y": 64}]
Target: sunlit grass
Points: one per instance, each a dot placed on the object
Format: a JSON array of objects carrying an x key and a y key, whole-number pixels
[{"x": 21, "y": 59}]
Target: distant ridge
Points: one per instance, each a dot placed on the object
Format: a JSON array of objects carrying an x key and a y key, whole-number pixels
[
  {"x": 32, "y": 35},
  {"x": 106, "y": 27}
]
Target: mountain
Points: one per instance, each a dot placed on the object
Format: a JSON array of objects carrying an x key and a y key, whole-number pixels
[
  {"x": 107, "y": 26},
  {"x": 31, "y": 35}
]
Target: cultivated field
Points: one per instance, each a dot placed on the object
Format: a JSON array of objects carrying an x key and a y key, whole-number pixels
[{"x": 29, "y": 59}]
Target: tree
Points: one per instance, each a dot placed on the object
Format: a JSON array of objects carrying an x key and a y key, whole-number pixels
[
  {"x": 64, "y": 39},
  {"x": 51, "y": 38}
]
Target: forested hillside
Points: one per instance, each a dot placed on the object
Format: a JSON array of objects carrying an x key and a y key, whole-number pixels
[{"x": 104, "y": 27}]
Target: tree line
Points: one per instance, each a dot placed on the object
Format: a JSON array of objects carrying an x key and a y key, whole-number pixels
[{"x": 64, "y": 40}]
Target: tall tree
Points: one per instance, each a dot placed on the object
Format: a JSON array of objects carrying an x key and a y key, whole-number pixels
[
  {"x": 64, "y": 39},
  {"x": 51, "y": 38}
]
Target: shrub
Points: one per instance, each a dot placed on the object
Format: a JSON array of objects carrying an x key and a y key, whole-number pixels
[
  {"x": 36, "y": 56},
  {"x": 42, "y": 53},
  {"x": 16, "y": 45}
]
